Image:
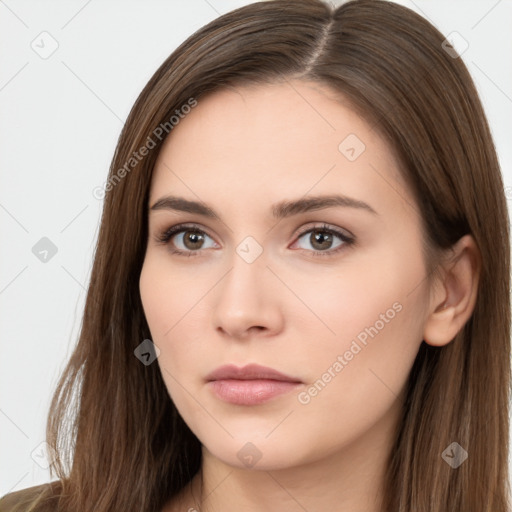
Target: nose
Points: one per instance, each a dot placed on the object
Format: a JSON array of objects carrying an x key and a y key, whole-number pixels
[{"x": 247, "y": 300}]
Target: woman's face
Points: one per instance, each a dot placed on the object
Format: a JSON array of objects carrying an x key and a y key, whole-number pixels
[{"x": 311, "y": 265}]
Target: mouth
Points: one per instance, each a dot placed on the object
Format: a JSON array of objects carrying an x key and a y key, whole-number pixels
[{"x": 250, "y": 385}]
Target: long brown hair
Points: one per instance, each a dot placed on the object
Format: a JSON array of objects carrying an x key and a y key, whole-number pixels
[{"x": 121, "y": 443}]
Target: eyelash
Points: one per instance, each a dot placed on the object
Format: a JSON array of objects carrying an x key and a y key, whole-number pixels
[{"x": 165, "y": 236}]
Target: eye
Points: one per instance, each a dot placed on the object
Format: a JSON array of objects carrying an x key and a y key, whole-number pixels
[
  {"x": 322, "y": 240},
  {"x": 186, "y": 240}
]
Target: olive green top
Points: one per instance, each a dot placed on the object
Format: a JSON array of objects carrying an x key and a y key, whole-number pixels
[{"x": 21, "y": 501}]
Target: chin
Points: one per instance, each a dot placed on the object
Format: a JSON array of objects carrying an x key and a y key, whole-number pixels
[{"x": 255, "y": 451}]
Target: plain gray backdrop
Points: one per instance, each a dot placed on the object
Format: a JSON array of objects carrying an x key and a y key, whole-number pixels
[{"x": 70, "y": 72}]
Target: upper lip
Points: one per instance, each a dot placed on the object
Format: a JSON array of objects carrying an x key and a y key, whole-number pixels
[{"x": 248, "y": 372}]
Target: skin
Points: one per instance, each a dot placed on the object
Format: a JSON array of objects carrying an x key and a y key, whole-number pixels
[{"x": 240, "y": 151}]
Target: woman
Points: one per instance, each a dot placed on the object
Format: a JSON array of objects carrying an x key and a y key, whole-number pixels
[{"x": 301, "y": 281}]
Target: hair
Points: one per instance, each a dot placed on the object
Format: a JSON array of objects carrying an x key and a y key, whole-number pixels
[{"x": 120, "y": 441}]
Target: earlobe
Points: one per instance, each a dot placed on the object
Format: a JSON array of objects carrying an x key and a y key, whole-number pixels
[{"x": 454, "y": 301}]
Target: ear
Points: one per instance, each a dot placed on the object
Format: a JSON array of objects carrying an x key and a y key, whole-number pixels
[{"x": 454, "y": 297}]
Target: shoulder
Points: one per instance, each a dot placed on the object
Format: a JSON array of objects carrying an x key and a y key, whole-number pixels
[{"x": 44, "y": 495}]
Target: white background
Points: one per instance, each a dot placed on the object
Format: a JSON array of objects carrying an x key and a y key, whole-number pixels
[{"x": 60, "y": 119}]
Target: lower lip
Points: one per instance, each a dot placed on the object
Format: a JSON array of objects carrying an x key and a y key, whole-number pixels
[{"x": 250, "y": 392}]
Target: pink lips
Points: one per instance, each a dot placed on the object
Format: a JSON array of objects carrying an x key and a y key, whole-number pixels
[{"x": 251, "y": 385}]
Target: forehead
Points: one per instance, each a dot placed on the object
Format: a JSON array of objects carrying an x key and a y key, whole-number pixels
[{"x": 275, "y": 140}]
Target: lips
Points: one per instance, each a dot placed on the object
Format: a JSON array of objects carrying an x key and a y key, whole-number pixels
[
  {"x": 249, "y": 372},
  {"x": 250, "y": 385}
]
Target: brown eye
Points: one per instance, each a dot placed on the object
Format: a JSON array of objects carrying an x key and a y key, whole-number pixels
[
  {"x": 186, "y": 240},
  {"x": 321, "y": 240},
  {"x": 192, "y": 240}
]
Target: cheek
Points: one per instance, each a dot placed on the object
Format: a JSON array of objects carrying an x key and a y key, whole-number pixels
[
  {"x": 155, "y": 301},
  {"x": 370, "y": 309},
  {"x": 374, "y": 312},
  {"x": 168, "y": 295},
  {"x": 360, "y": 378},
  {"x": 173, "y": 309},
  {"x": 163, "y": 308}
]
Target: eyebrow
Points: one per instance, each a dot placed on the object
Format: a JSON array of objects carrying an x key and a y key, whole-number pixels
[{"x": 280, "y": 210}]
